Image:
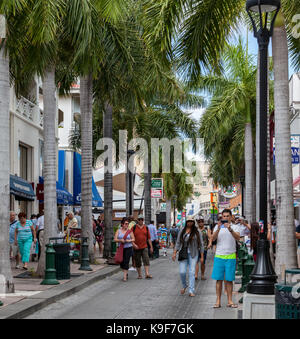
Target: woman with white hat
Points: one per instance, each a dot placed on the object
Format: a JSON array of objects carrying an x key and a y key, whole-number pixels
[{"x": 189, "y": 244}]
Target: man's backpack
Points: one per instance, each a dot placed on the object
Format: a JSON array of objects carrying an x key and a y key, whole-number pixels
[
  {"x": 174, "y": 232},
  {"x": 98, "y": 230}
]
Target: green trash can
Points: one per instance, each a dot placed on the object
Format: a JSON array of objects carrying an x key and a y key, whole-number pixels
[
  {"x": 62, "y": 259},
  {"x": 113, "y": 247},
  {"x": 287, "y": 298}
]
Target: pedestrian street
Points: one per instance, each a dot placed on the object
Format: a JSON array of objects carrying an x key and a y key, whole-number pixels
[{"x": 158, "y": 298}]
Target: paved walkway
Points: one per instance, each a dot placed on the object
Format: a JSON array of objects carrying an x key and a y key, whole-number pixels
[
  {"x": 158, "y": 298},
  {"x": 26, "y": 287}
]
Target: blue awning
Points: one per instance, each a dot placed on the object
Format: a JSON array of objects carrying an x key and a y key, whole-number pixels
[
  {"x": 61, "y": 168},
  {"x": 97, "y": 201},
  {"x": 62, "y": 195},
  {"x": 21, "y": 188}
]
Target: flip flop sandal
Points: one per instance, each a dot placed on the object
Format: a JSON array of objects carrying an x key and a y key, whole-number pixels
[
  {"x": 139, "y": 277},
  {"x": 232, "y": 305},
  {"x": 217, "y": 306},
  {"x": 182, "y": 291},
  {"x": 192, "y": 295},
  {"x": 149, "y": 277}
]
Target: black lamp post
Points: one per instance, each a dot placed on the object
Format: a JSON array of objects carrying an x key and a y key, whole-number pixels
[
  {"x": 174, "y": 201},
  {"x": 130, "y": 188},
  {"x": 263, "y": 277},
  {"x": 242, "y": 181}
]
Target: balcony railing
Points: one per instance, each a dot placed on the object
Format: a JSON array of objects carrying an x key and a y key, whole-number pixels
[{"x": 30, "y": 111}]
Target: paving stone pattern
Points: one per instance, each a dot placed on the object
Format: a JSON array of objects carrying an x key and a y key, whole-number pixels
[{"x": 158, "y": 298}]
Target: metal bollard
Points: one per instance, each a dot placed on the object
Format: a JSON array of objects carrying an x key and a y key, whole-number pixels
[
  {"x": 85, "y": 260},
  {"x": 248, "y": 266},
  {"x": 50, "y": 271}
]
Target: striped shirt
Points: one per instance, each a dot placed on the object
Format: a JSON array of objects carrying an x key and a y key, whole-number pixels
[{"x": 24, "y": 232}]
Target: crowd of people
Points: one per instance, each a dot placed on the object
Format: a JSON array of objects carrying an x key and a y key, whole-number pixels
[{"x": 141, "y": 242}]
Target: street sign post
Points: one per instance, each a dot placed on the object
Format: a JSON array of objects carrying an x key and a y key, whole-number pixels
[{"x": 157, "y": 187}]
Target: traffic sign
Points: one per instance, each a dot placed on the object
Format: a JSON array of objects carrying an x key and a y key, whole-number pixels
[
  {"x": 156, "y": 193},
  {"x": 157, "y": 183}
]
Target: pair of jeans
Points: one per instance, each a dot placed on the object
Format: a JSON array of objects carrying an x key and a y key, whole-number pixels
[{"x": 191, "y": 264}]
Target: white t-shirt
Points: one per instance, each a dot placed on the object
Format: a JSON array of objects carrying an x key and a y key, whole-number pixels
[
  {"x": 226, "y": 244},
  {"x": 40, "y": 223},
  {"x": 244, "y": 231}
]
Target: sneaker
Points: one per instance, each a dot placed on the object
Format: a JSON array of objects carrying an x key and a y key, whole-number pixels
[
  {"x": 132, "y": 269},
  {"x": 17, "y": 267}
]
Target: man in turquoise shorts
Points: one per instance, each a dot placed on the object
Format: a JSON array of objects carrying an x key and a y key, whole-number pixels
[{"x": 225, "y": 259}]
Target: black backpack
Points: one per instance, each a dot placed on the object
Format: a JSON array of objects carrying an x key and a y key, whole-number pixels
[
  {"x": 98, "y": 231},
  {"x": 174, "y": 232}
]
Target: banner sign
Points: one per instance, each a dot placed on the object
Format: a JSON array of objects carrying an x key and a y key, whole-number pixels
[{"x": 156, "y": 193}]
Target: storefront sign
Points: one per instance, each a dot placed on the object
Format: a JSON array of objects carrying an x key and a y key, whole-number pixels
[
  {"x": 230, "y": 192},
  {"x": 163, "y": 207},
  {"x": 120, "y": 215},
  {"x": 156, "y": 193}
]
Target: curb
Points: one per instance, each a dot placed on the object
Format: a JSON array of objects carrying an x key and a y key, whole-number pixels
[{"x": 34, "y": 303}]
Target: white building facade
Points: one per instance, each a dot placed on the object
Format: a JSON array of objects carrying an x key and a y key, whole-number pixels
[{"x": 26, "y": 147}]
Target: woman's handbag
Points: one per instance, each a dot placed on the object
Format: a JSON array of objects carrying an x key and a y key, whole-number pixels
[
  {"x": 119, "y": 254},
  {"x": 183, "y": 253}
]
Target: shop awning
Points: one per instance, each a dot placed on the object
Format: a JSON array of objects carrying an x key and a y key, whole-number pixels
[
  {"x": 296, "y": 182},
  {"x": 97, "y": 201},
  {"x": 21, "y": 189},
  {"x": 63, "y": 196}
]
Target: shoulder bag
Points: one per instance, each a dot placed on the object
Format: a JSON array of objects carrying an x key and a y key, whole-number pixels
[
  {"x": 183, "y": 253},
  {"x": 119, "y": 254}
]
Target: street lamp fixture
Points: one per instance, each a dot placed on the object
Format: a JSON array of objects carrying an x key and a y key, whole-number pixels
[
  {"x": 265, "y": 6},
  {"x": 263, "y": 277}
]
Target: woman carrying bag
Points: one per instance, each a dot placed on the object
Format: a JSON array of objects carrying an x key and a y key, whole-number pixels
[
  {"x": 189, "y": 244},
  {"x": 125, "y": 238}
]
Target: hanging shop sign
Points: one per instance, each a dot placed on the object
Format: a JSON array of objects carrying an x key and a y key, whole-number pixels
[{"x": 229, "y": 192}]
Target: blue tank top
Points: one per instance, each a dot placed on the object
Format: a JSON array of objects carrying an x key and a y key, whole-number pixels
[{"x": 121, "y": 236}]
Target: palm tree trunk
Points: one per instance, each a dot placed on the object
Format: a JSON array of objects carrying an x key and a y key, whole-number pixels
[
  {"x": 108, "y": 184},
  {"x": 249, "y": 173},
  {"x": 86, "y": 108},
  {"x": 286, "y": 245},
  {"x": 5, "y": 268},
  {"x": 50, "y": 151},
  {"x": 147, "y": 184}
]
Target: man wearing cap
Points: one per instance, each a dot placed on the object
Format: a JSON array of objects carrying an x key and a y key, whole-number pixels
[{"x": 142, "y": 239}]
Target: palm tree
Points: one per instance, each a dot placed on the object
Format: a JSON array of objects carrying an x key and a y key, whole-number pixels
[
  {"x": 286, "y": 246},
  {"x": 5, "y": 268},
  {"x": 232, "y": 113}
]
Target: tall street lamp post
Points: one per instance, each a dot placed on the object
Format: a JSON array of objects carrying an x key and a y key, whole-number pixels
[
  {"x": 242, "y": 181},
  {"x": 263, "y": 277},
  {"x": 174, "y": 202},
  {"x": 130, "y": 184}
]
